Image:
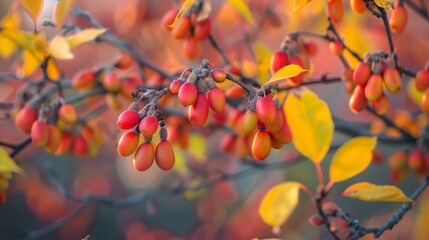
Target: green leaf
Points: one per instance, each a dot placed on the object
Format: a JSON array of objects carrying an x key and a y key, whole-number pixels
[
  {"x": 243, "y": 9},
  {"x": 7, "y": 164},
  {"x": 376, "y": 193}
]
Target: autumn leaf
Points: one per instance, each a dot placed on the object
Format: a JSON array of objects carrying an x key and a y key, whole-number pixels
[
  {"x": 185, "y": 7},
  {"x": 243, "y": 9},
  {"x": 7, "y": 46},
  {"x": 279, "y": 203},
  {"x": 59, "y": 48},
  {"x": 298, "y": 5},
  {"x": 376, "y": 193},
  {"x": 352, "y": 158},
  {"x": 61, "y": 9},
  {"x": 386, "y": 4},
  {"x": 52, "y": 70},
  {"x": 29, "y": 64},
  {"x": 84, "y": 36},
  {"x": 310, "y": 122},
  {"x": 285, "y": 72},
  {"x": 7, "y": 164},
  {"x": 263, "y": 56},
  {"x": 33, "y": 8}
]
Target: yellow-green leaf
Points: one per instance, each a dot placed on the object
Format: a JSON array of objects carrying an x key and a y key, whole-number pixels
[
  {"x": 352, "y": 158},
  {"x": 298, "y": 5},
  {"x": 84, "y": 36},
  {"x": 59, "y": 48},
  {"x": 243, "y": 9},
  {"x": 263, "y": 56},
  {"x": 61, "y": 9},
  {"x": 285, "y": 72},
  {"x": 7, "y": 164},
  {"x": 197, "y": 147},
  {"x": 185, "y": 7},
  {"x": 33, "y": 8},
  {"x": 386, "y": 4},
  {"x": 279, "y": 203},
  {"x": 310, "y": 122},
  {"x": 376, "y": 193}
]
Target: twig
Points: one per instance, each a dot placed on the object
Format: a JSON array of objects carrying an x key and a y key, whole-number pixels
[{"x": 219, "y": 49}]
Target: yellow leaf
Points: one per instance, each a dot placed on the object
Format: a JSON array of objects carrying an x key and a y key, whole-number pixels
[
  {"x": 197, "y": 147},
  {"x": 185, "y": 7},
  {"x": 7, "y": 164},
  {"x": 84, "y": 36},
  {"x": 33, "y": 8},
  {"x": 376, "y": 193},
  {"x": 413, "y": 93},
  {"x": 263, "y": 57},
  {"x": 7, "y": 46},
  {"x": 52, "y": 70},
  {"x": 29, "y": 64},
  {"x": 61, "y": 9},
  {"x": 279, "y": 203},
  {"x": 243, "y": 9},
  {"x": 310, "y": 122},
  {"x": 285, "y": 72},
  {"x": 59, "y": 48},
  {"x": 298, "y": 5},
  {"x": 386, "y": 4},
  {"x": 352, "y": 158}
]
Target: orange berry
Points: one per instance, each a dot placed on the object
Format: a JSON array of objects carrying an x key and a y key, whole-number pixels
[
  {"x": 148, "y": 126},
  {"x": 357, "y": 6},
  {"x": 374, "y": 87},
  {"x": 187, "y": 94},
  {"x": 398, "y": 19},
  {"x": 310, "y": 48},
  {"x": 199, "y": 111},
  {"x": 261, "y": 145},
  {"x": 124, "y": 61},
  {"x": 278, "y": 60},
  {"x": 216, "y": 99},
  {"x": 361, "y": 74},
  {"x": 175, "y": 85},
  {"x": 67, "y": 113},
  {"x": 392, "y": 80},
  {"x": 84, "y": 79},
  {"x": 336, "y": 47},
  {"x": 234, "y": 92},
  {"x": 278, "y": 121},
  {"x": 218, "y": 75},
  {"x": 315, "y": 220},
  {"x": 182, "y": 28},
  {"x": 284, "y": 135},
  {"x": 398, "y": 160},
  {"x": 144, "y": 157},
  {"x": 111, "y": 82},
  {"x": 425, "y": 101},
  {"x": 128, "y": 143},
  {"x": 422, "y": 80},
  {"x": 358, "y": 100},
  {"x": 381, "y": 105},
  {"x": 191, "y": 47},
  {"x": 25, "y": 118},
  {"x": 66, "y": 144},
  {"x": 164, "y": 155},
  {"x": 40, "y": 133},
  {"x": 266, "y": 110},
  {"x": 168, "y": 18},
  {"x": 228, "y": 143},
  {"x": 54, "y": 138},
  {"x": 416, "y": 159},
  {"x": 335, "y": 10}
]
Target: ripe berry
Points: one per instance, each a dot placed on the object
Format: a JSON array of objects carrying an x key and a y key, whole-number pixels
[
  {"x": 416, "y": 159},
  {"x": 218, "y": 75},
  {"x": 199, "y": 111},
  {"x": 191, "y": 47},
  {"x": 398, "y": 160},
  {"x": 54, "y": 138},
  {"x": 374, "y": 87},
  {"x": 398, "y": 175},
  {"x": 235, "y": 92},
  {"x": 164, "y": 155},
  {"x": 361, "y": 73},
  {"x": 128, "y": 119},
  {"x": 202, "y": 29},
  {"x": 144, "y": 157},
  {"x": 128, "y": 143},
  {"x": 358, "y": 100},
  {"x": 67, "y": 113},
  {"x": 85, "y": 79},
  {"x": 111, "y": 82},
  {"x": 425, "y": 101},
  {"x": 300, "y": 77},
  {"x": 80, "y": 146},
  {"x": 335, "y": 10},
  {"x": 310, "y": 48},
  {"x": 182, "y": 28},
  {"x": 148, "y": 125},
  {"x": 261, "y": 145},
  {"x": 422, "y": 80},
  {"x": 249, "y": 121},
  {"x": 315, "y": 220},
  {"x": 66, "y": 144},
  {"x": 392, "y": 80},
  {"x": 381, "y": 105},
  {"x": 168, "y": 18},
  {"x": 266, "y": 110},
  {"x": 216, "y": 99},
  {"x": 274, "y": 143},
  {"x": 278, "y": 122},
  {"x": 398, "y": 19},
  {"x": 25, "y": 118},
  {"x": 40, "y": 133},
  {"x": 357, "y": 6},
  {"x": 336, "y": 47},
  {"x": 187, "y": 94},
  {"x": 278, "y": 60},
  {"x": 175, "y": 86},
  {"x": 284, "y": 135},
  {"x": 123, "y": 62}
]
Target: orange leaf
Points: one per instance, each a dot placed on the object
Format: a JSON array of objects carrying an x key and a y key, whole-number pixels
[{"x": 61, "y": 9}]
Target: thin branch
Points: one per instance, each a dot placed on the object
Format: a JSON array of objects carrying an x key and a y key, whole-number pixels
[
  {"x": 19, "y": 147},
  {"x": 419, "y": 10},
  {"x": 219, "y": 49}
]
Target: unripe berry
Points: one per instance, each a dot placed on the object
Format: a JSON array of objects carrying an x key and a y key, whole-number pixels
[
  {"x": 216, "y": 99},
  {"x": 422, "y": 80},
  {"x": 425, "y": 101},
  {"x": 398, "y": 19},
  {"x": 392, "y": 80},
  {"x": 218, "y": 75},
  {"x": 144, "y": 157},
  {"x": 187, "y": 94},
  {"x": 25, "y": 118},
  {"x": 358, "y": 100},
  {"x": 266, "y": 110},
  {"x": 278, "y": 60},
  {"x": 398, "y": 160},
  {"x": 416, "y": 159},
  {"x": 398, "y": 175},
  {"x": 168, "y": 18},
  {"x": 175, "y": 86},
  {"x": 128, "y": 143},
  {"x": 335, "y": 10},
  {"x": 148, "y": 126},
  {"x": 361, "y": 74},
  {"x": 67, "y": 113},
  {"x": 374, "y": 87},
  {"x": 300, "y": 77},
  {"x": 381, "y": 105},
  {"x": 249, "y": 121},
  {"x": 40, "y": 133},
  {"x": 182, "y": 28},
  {"x": 357, "y": 6},
  {"x": 54, "y": 138},
  {"x": 336, "y": 47},
  {"x": 191, "y": 47},
  {"x": 66, "y": 144},
  {"x": 202, "y": 29},
  {"x": 261, "y": 145},
  {"x": 84, "y": 79},
  {"x": 164, "y": 155},
  {"x": 123, "y": 62},
  {"x": 199, "y": 111},
  {"x": 111, "y": 82},
  {"x": 128, "y": 119},
  {"x": 278, "y": 122}
]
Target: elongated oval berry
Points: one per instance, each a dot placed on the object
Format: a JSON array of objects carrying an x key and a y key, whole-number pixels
[
  {"x": 381, "y": 105},
  {"x": 266, "y": 110},
  {"x": 67, "y": 113},
  {"x": 111, "y": 82},
  {"x": 164, "y": 155},
  {"x": 422, "y": 80},
  {"x": 374, "y": 87},
  {"x": 80, "y": 146},
  {"x": 175, "y": 85},
  {"x": 199, "y": 111},
  {"x": 284, "y": 135},
  {"x": 335, "y": 10},
  {"x": 187, "y": 94},
  {"x": 361, "y": 74},
  {"x": 358, "y": 100},
  {"x": 218, "y": 75},
  {"x": 124, "y": 61},
  {"x": 250, "y": 120},
  {"x": 357, "y": 6},
  {"x": 182, "y": 28},
  {"x": 191, "y": 47},
  {"x": 66, "y": 144},
  {"x": 202, "y": 29},
  {"x": 25, "y": 118},
  {"x": 336, "y": 47},
  {"x": 416, "y": 159},
  {"x": 216, "y": 99},
  {"x": 40, "y": 133},
  {"x": 168, "y": 18},
  {"x": 278, "y": 60},
  {"x": 148, "y": 125},
  {"x": 261, "y": 146},
  {"x": 128, "y": 119},
  {"x": 392, "y": 80},
  {"x": 144, "y": 156},
  {"x": 398, "y": 19},
  {"x": 294, "y": 81},
  {"x": 54, "y": 138},
  {"x": 278, "y": 121},
  {"x": 128, "y": 143},
  {"x": 84, "y": 79}
]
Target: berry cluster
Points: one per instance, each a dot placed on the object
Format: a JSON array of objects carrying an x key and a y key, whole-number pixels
[
  {"x": 370, "y": 76},
  {"x": 401, "y": 161},
  {"x": 422, "y": 85}
]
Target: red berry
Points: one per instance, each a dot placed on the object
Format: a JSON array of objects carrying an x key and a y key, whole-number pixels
[
  {"x": 358, "y": 100},
  {"x": 182, "y": 28},
  {"x": 284, "y": 135},
  {"x": 278, "y": 60},
  {"x": 66, "y": 144},
  {"x": 336, "y": 47},
  {"x": 80, "y": 146},
  {"x": 187, "y": 94},
  {"x": 310, "y": 48},
  {"x": 111, "y": 82},
  {"x": 422, "y": 80},
  {"x": 164, "y": 155},
  {"x": 40, "y": 133},
  {"x": 191, "y": 47},
  {"x": 144, "y": 156},
  {"x": 54, "y": 138},
  {"x": 128, "y": 143},
  {"x": 361, "y": 73},
  {"x": 216, "y": 99},
  {"x": 202, "y": 29},
  {"x": 25, "y": 118},
  {"x": 398, "y": 19},
  {"x": 278, "y": 122},
  {"x": 124, "y": 61},
  {"x": 175, "y": 86},
  {"x": 266, "y": 110},
  {"x": 168, "y": 18},
  {"x": 128, "y": 119},
  {"x": 148, "y": 125},
  {"x": 67, "y": 113},
  {"x": 300, "y": 77},
  {"x": 85, "y": 79},
  {"x": 199, "y": 111}
]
